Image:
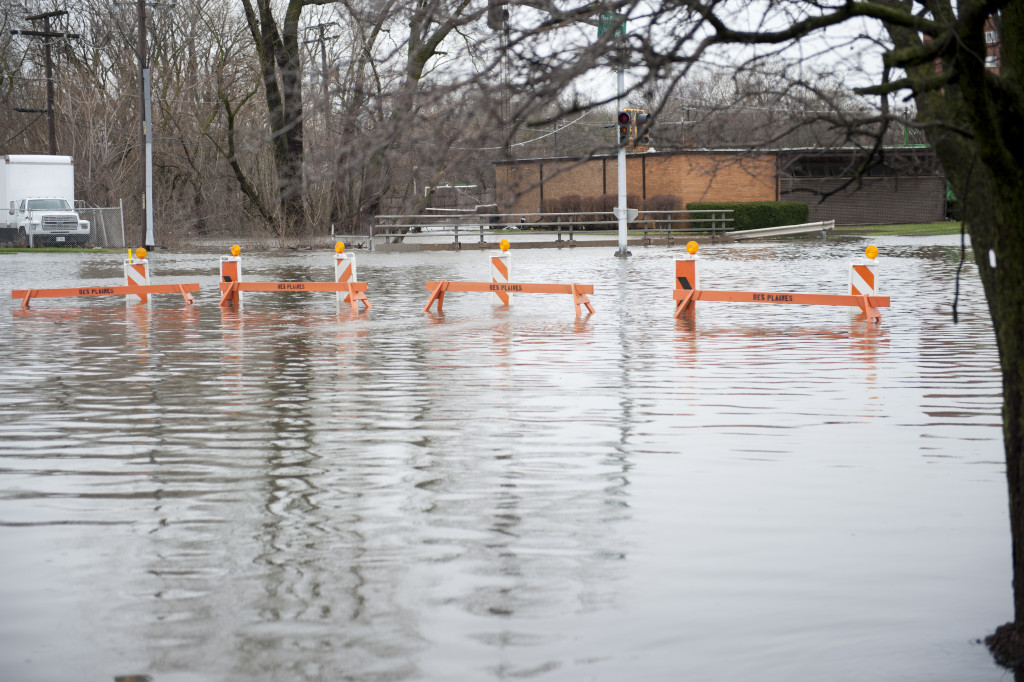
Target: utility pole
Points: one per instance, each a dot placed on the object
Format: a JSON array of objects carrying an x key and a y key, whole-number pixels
[
  {"x": 498, "y": 20},
  {"x": 146, "y": 136},
  {"x": 325, "y": 94},
  {"x": 48, "y": 35},
  {"x": 616, "y": 24},
  {"x": 146, "y": 115},
  {"x": 622, "y": 213},
  {"x": 322, "y": 39},
  {"x": 325, "y": 90}
]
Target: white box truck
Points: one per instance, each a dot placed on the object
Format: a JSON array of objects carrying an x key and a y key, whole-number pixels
[{"x": 37, "y": 201}]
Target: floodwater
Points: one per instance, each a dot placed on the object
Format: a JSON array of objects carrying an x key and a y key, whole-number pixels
[{"x": 291, "y": 492}]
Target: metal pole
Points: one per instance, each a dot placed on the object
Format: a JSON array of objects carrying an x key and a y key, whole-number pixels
[
  {"x": 149, "y": 163},
  {"x": 124, "y": 241},
  {"x": 141, "y": 9},
  {"x": 622, "y": 170}
]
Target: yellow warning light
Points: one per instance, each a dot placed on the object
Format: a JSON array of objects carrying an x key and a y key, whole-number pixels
[
  {"x": 504, "y": 244},
  {"x": 692, "y": 247},
  {"x": 339, "y": 247},
  {"x": 235, "y": 250},
  {"x": 140, "y": 253},
  {"x": 871, "y": 252}
]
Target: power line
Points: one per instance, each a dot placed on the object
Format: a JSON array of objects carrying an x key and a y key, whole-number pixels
[{"x": 30, "y": 124}]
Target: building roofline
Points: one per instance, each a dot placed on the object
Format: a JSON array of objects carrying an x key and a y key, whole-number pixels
[{"x": 730, "y": 151}]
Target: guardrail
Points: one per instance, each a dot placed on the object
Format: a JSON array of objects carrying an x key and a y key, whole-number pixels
[
  {"x": 563, "y": 226},
  {"x": 783, "y": 230}
]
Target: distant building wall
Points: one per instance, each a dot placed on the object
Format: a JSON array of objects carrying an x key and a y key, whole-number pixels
[
  {"x": 523, "y": 186},
  {"x": 908, "y": 187},
  {"x": 876, "y": 201}
]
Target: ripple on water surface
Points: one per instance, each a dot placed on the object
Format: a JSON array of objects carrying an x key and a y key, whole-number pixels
[{"x": 292, "y": 492}]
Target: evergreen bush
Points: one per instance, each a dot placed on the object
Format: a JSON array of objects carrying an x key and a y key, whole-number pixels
[{"x": 751, "y": 215}]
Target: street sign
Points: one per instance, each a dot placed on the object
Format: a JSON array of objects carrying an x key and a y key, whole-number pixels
[
  {"x": 630, "y": 213},
  {"x": 611, "y": 21}
]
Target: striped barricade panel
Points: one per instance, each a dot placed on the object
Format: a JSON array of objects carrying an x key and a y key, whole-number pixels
[
  {"x": 136, "y": 273},
  {"x": 344, "y": 272},
  {"x": 501, "y": 271}
]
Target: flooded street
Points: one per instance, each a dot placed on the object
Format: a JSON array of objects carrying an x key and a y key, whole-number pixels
[{"x": 292, "y": 492}]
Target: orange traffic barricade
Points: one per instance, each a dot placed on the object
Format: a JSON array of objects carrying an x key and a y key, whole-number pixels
[
  {"x": 502, "y": 289},
  {"x": 137, "y": 286},
  {"x": 232, "y": 285},
  {"x": 578, "y": 291},
  {"x": 863, "y": 289}
]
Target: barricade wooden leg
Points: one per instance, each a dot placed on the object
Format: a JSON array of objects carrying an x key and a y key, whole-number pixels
[
  {"x": 352, "y": 298},
  {"x": 188, "y": 297},
  {"x": 872, "y": 312},
  {"x": 228, "y": 293},
  {"x": 355, "y": 296},
  {"x": 28, "y": 296},
  {"x": 685, "y": 304},
  {"x": 579, "y": 297},
  {"x": 437, "y": 295}
]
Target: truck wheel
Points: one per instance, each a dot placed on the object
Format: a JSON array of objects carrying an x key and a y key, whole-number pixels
[{"x": 22, "y": 238}]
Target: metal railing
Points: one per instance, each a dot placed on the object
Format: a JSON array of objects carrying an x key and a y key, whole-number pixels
[{"x": 562, "y": 226}]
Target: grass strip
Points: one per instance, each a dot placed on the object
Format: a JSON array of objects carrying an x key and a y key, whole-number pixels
[{"x": 919, "y": 230}]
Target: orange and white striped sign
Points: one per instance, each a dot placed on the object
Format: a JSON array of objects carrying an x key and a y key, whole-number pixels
[
  {"x": 345, "y": 272},
  {"x": 136, "y": 273},
  {"x": 231, "y": 271},
  {"x": 862, "y": 279},
  {"x": 501, "y": 271}
]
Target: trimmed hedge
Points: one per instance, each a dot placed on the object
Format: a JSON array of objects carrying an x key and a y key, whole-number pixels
[{"x": 750, "y": 215}]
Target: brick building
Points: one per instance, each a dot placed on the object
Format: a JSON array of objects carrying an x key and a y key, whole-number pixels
[{"x": 908, "y": 186}]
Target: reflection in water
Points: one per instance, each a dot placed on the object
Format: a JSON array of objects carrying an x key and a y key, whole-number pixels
[{"x": 289, "y": 491}]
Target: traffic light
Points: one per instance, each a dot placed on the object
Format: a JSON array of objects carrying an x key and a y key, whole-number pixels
[
  {"x": 644, "y": 122},
  {"x": 625, "y": 123},
  {"x": 497, "y": 15}
]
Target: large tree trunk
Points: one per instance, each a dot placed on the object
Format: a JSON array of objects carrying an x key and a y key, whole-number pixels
[
  {"x": 986, "y": 169},
  {"x": 281, "y": 67},
  {"x": 290, "y": 165},
  {"x": 996, "y": 221}
]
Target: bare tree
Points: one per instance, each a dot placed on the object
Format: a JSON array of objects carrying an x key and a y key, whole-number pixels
[{"x": 277, "y": 49}]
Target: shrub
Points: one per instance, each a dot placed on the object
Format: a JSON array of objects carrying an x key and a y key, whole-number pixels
[
  {"x": 750, "y": 215},
  {"x": 610, "y": 201},
  {"x": 661, "y": 202}
]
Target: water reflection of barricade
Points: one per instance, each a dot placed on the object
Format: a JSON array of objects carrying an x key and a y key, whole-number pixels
[
  {"x": 345, "y": 285},
  {"x": 743, "y": 364},
  {"x": 862, "y": 289},
  {"x": 137, "y": 286}
]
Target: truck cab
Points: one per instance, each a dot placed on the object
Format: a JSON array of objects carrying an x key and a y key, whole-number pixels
[{"x": 47, "y": 221}]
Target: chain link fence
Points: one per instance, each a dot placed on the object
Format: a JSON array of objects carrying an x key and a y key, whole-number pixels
[{"x": 107, "y": 226}]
